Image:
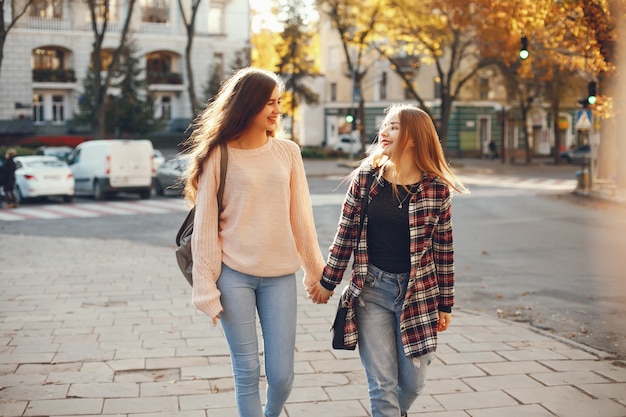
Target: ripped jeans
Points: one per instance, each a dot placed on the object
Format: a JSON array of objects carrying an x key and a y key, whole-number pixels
[{"x": 394, "y": 379}]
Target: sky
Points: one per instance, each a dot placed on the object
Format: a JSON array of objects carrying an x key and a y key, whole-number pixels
[{"x": 263, "y": 16}]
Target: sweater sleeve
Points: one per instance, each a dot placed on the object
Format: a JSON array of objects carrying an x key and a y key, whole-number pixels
[
  {"x": 205, "y": 242},
  {"x": 302, "y": 222}
]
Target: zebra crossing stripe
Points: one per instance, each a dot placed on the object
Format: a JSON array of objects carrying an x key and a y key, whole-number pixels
[
  {"x": 106, "y": 209},
  {"x": 38, "y": 213},
  {"x": 137, "y": 207},
  {"x": 171, "y": 204},
  {"x": 71, "y": 211}
]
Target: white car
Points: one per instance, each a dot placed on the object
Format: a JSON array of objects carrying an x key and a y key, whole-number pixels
[
  {"x": 157, "y": 159},
  {"x": 348, "y": 144},
  {"x": 43, "y": 176}
]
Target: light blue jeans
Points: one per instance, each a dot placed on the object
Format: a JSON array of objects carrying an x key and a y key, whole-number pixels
[
  {"x": 275, "y": 301},
  {"x": 394, "y": 380}
]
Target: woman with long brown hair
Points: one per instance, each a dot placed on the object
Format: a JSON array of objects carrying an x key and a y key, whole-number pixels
[
  {"x": 244, "y": 262},
  {"x": 402, "y": 285}
]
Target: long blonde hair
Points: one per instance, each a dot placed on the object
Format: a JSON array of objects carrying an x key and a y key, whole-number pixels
[
  {"x": 226, "y": 117},
  {"x": 416, "y": 126}
]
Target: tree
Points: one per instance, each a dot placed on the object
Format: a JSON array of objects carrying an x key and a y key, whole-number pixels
[
  {"x": 355, "y": 22},
  {"x": 563, "y": 49},
  {"x": 190, "y": 26},
  {"x": 132, "y": 110},
  {"x": 214, "y": 83},
  {"x": 15, "y": 16},
  {"x": 443, "y": 33},
  {"x": 99, "y": 11},
  {"x": 264, "y": 53},
  {"x": 296, "y": 61}
]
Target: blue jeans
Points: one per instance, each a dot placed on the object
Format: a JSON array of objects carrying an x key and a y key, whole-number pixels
[
  {"x": 394, "y": 379},
  {"x": 275, "y": 300}
]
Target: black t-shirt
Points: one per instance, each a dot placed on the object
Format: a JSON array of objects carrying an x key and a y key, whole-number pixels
[{"x": 388, "y": 239}]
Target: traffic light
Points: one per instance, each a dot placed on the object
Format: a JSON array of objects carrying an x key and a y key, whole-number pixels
[
  {"x": 523, "y": 50},
  {"x": 349, "y": 118},
  {"x": 592, "y": 92}
]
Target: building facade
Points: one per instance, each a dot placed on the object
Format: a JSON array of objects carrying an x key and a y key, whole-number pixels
[
  {"x": 48, "y": 52},
  {"x": 480, "y": 114}
]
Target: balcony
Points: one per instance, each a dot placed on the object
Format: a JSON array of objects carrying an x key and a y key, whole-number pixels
[
  {"x": 53, "y": 75},
  {"x": 164, "y": 78}
]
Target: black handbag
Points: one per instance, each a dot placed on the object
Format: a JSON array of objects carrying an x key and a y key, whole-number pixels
[
  {"x": 344, "y": 328},
  {"x": 183, "y": 254}
]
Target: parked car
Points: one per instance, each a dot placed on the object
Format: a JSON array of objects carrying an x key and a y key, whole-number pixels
[
  {"x": 348, "y": 144},
  {"x": 169, "y": 176},
  {"x": 43, "y": 176},
  {"x": 157, "y": 159},
  {"x": 106, "y": 167},
  {"x": 578, "y": 155},
  {"x": 60, "y": 152}
]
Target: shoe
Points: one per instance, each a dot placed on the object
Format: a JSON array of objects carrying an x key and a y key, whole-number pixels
[{"x": 403, "y": 414}]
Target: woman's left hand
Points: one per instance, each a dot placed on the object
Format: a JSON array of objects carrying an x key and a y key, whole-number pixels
[{"x": 444, "y": 321}]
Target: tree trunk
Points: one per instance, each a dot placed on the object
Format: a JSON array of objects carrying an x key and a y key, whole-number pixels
[
  {"x": 191, "y": 87},
  {"x": 444, "y": 119},
  {"x": 556, "y": 108}
]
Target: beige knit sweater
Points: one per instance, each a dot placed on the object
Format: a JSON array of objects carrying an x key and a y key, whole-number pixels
[{"x": 266, "y": 228}]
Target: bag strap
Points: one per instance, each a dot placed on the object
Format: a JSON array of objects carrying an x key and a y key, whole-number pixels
[
  {"x": 223, "y": 166},
  {"x": 364, "y": 204}
]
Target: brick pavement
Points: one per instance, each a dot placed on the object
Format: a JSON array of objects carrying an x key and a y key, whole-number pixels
[
  {"x": 92, "y": 327},
  {"x": 105, "y": 328}
]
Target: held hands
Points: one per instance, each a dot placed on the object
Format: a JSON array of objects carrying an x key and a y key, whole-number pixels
[{"x": 318, "y": 294}]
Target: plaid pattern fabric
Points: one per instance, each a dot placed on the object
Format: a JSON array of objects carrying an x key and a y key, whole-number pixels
[{"x": 431, "y": 282}]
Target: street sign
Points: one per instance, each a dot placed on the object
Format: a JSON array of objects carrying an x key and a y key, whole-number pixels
[{"x": 583, "y": 119}]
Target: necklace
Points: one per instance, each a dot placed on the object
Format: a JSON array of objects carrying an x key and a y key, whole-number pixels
[{"x": 408, "y": 194}]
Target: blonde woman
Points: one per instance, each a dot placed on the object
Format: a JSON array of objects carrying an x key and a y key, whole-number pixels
[
  {"x": 244, "y": 264},
  {"x": 402, "y": 282}
]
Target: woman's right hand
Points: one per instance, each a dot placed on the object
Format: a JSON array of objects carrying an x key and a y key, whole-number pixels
[
  {"x": 216, "y": 318},
  {"x": 319, "y": 295}
]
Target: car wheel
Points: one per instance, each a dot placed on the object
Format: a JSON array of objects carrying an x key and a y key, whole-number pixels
[
  {"x": 158, "y": 188},
  {"x": 98, "y": 192},
  {"x": 67, "y": 198}
]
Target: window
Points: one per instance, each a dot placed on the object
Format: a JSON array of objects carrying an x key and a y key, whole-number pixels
[
  {"x": 47, "y": 9},
  {"x": 166, "y": 108},
  {"x": 106, "y": 10},
  {"x": 218, "y": 65},
  {"x": 155, "y": 11},
  {"x": 382, "y": 87},
  {"x": 47, "y": 58},
  {"x": 106, "y": 57},
  {"x": 58, "y": 103},
  {"x": 333, "y": 91},
  {"x": 38, "y": 108},
  {"x": 159, "y": 63},
  {"x": 483, "y": 89},
  {"x": 334, "y": 57},
  {"x": 216, "y": 18}
]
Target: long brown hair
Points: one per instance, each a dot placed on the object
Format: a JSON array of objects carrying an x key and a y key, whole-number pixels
[
  {"x": 226, "y": 117},
  {"x": 417, "y": 126}
]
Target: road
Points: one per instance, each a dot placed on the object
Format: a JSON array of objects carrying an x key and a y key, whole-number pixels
[{"x": 526, "y": 248}]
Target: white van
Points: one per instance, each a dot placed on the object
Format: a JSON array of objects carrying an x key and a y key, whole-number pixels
[{"x": 106, "y": 167}]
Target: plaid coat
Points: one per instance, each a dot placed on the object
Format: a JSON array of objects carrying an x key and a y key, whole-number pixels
[{"x": 431, "y": 282}]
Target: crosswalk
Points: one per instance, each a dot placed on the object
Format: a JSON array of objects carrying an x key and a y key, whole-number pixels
[
  {"x": 101, "y": 209},
  {"x": 480, "y": 186}
]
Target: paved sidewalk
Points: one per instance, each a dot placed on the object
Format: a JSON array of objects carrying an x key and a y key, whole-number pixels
[{"x": 105, "y": 328}]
